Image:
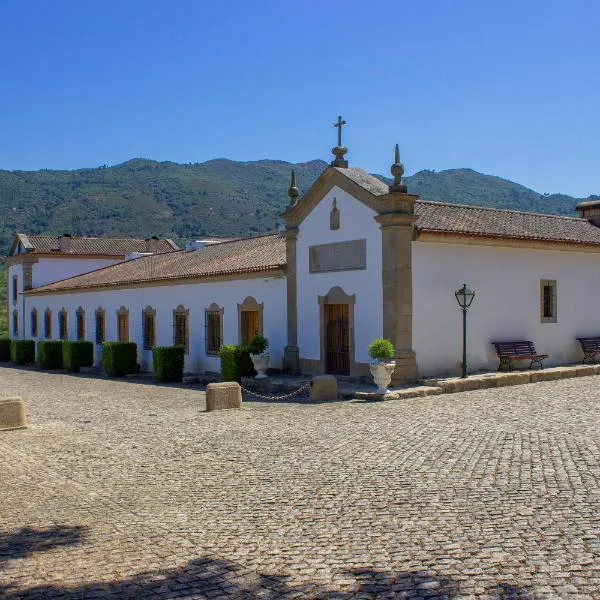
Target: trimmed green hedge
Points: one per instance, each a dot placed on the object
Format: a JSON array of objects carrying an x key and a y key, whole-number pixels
[
  {"x": 49, "y": 354},
  {"x": 228, "y": 364},
  {"x": 4, "y": 349},
  {"x": 168, "y": 362},
  {"x": 77, "y": 354},
  {"x": 22, "y": 352},
  {"x": 235, "y": 362},
  {"x": 119, "y": 358}
]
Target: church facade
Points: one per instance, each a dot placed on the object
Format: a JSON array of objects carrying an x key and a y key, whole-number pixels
[{"x": 357, "y": 260}]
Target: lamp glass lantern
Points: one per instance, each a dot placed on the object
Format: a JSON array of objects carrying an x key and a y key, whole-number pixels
[{"x": 464, "y": 297}]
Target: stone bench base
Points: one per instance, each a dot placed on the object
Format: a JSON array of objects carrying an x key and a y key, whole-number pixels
[
  {"x": 12, "y": 414},
  {"x": 323, "y": 388},
  {"x": 220, "y": 396}
]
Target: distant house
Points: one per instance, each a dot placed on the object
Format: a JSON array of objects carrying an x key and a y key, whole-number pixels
[{"x": 357, "y": 260}]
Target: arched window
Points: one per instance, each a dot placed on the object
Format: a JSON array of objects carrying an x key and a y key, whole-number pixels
[
  {"x": 180, "y": 327},
  {"x": 149, "y": 327},
  {"x": 250, "y": 319},
  {"x": 15, "y": 322},
  {"x": 63, "y": 332},
  {"x": 213, "y": 329},
  {"x": 100, "y": 325},
  {"x": 123, "y": 324},
  {"x": 48, "y": 324},
  {"x": 34, "y": 323},
  {"x": 80, "y": 324}
]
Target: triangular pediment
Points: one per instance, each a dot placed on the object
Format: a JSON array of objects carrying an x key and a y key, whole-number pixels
[{"x": 357, "y": 183}]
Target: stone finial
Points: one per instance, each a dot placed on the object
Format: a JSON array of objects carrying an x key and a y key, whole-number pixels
[
  {"x": 293, "y": 192},
  {"x": 397, "y": 171},
  {"x": 339, "y": 150}
]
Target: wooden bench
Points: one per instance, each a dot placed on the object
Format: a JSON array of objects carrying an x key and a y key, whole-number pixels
[
  {"x": 590, "y": 347},
  {"x": 520, "y": 350}
]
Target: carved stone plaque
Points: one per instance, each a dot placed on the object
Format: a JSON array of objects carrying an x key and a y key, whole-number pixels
[{"x": 341, "y": 256}]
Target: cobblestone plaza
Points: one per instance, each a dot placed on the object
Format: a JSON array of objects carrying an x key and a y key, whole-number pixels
[{"x": 119, "y": 489}]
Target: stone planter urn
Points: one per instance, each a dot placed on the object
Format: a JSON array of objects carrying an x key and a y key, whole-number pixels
[
  {"x": 382, "y": 374},
  {"x": 261, "y": 364}
]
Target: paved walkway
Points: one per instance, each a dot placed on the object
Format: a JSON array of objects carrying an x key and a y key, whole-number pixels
[{"x": 125, "y": 490}]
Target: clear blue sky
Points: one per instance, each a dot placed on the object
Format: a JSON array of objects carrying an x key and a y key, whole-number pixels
[{"x": 509, "y": 88}]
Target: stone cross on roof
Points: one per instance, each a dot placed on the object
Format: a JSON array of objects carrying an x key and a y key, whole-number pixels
[{"x": 339, "y": 150}]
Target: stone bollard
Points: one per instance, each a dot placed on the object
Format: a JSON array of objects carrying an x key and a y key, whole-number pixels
[
  {"x": 323, "y": 387},
  {"x": 12, "y": 414},
  {"x": 219, "y": 396}
]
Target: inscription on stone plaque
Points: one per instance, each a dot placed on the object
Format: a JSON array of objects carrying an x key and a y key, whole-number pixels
[{"x": 340, "y": 256}]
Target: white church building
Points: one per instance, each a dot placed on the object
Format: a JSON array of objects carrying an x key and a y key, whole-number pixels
[{"x": 357, "y": 260}]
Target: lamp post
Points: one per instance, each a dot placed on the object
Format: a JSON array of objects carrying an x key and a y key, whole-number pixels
[{"x": 464, "y": 297}]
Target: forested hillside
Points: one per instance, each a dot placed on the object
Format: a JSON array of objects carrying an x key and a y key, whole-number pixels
[{"x": 219, "y": 197}]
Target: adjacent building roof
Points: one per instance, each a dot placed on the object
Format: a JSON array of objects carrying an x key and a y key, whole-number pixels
[
  {"x": 457, "y": 219},
  {"x": 48, "y": 244},
  {"x": 252, "y": 255}
]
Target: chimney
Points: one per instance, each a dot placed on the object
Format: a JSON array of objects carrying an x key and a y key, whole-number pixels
[
  {"x": 152, "y": 244},
  {"x": 64, "y": 242},
  {"x": 590, "y": 210}
]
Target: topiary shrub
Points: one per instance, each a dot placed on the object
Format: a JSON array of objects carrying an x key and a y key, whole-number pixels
[
  {"x": 77, "y": 354},
  {"x": 22, "y": 352},
  {"x": 258, "y": 344},
  {"x": 49, "y": 355},
  {"x": 119, "y": 358},
  {"x": 168, "y": 362},
  {"x": 243, "y": 361},
  {"x": 4, "y": 349},
  {"x": 228, "y": 364},
  {"x": 381, "y": 350}
]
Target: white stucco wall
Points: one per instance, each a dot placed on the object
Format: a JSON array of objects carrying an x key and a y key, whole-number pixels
[
  {"x": 356, "y": 222},
  {"x": 48, "y": 270},
  {"x": 196, "y": 297},
  {"x": 506, "y": 306}
]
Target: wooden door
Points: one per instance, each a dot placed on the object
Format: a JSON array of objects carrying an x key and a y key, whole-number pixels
[
  {"x": 337, "y": 339},
  {"x": 250, "y": 325}
]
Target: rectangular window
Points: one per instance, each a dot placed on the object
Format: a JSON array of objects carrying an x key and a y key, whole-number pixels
[
  {"x": 80, "y": 325},
  {"x": 15, "y": 322},
  {"x": 34, "y": 323},
  {"x": 100, "y": 326},
  {"x": 62, "y": 325},
  {"x": 123, "y": 327},
  {"x": 212, "y": 323},
  {"x": 181, "y": 330},
  {"x": 48, "y": 324},
  {"x": 250, "y": 325},
  {"x": 548, "y": 301},
  {"x": 149, "y": 330},
  {"x": 15, "y": 289}
]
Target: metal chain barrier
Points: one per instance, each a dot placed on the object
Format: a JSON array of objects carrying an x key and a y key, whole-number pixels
[{"x": 284, "y": 397}]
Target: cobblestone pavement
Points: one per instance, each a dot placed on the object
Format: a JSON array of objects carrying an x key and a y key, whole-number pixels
[{"x": 125, "y": 490}]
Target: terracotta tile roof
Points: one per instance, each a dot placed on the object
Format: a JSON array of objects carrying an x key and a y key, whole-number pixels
[
  {"x": 438, "y": 217},
  {"x": 48, "y": 244},
  {"x": 266, "y": 253},
  {"x": 365, "y": 180}
]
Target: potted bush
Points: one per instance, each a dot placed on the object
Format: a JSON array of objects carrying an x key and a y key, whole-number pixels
[
  {"x": 259, "y": 355},
  {"x": 382, "y": 365}
]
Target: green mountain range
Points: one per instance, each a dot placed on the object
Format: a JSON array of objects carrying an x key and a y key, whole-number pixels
[{"x": 219, "y": 197}]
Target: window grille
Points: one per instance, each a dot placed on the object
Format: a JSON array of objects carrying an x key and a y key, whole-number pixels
[
  {"x": 180, "y": 327},
  {"x": 149, "y": 323},
  {"x": 548, "y": 301},
  {"x": 80, "y": 324},
  {"x": 15, "y": 289},
  {"x": 213, "y": 326},
  {"x": 62, "y": 325},
  {"x": 48, "y": 324},
  {"x": 34, "y": 323},
  {"x": 15, "y": 322},
  {"x": 100, "y": 337}
]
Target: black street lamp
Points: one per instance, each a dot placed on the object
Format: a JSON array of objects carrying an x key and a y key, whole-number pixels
[{"x": 464, "y": 297}]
